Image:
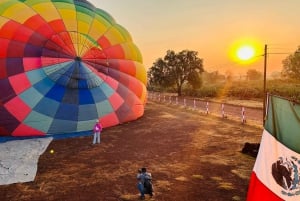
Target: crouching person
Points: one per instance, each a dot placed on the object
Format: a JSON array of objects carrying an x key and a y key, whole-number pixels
[{"x": 144, "y": 183}]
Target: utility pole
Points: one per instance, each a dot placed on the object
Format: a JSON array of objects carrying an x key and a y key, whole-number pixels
[{"x": 265, "y": 82}]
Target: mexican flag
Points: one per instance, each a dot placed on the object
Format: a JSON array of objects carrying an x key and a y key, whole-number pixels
[{"x": 276, "y": 172}]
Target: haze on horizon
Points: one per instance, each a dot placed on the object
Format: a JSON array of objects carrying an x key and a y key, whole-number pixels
[{"x": 210, "y": 27}]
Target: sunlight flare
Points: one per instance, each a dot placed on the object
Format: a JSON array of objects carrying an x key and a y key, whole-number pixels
[{"x": 245, "y": 52}]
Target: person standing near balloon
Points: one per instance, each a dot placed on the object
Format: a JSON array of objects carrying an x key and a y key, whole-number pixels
[{"x": 97, "y": 131}]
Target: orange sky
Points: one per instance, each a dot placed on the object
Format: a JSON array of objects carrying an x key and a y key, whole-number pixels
[{"x": 210, "y": 27}]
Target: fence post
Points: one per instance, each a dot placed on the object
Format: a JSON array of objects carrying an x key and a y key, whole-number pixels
[
  {"x": 164, "y": 98},
  {"x": 194, "y": 104},
  {"x": 207, "y": 107},
  {"x": 158, "y": 97},
  {"x": 243, "y": 115},
  {"x": 223, "y": 111},
  {"x": 184, "y": 102},
  {"x": 176, "y": 100},
  {"x": 170, "y": 99}
]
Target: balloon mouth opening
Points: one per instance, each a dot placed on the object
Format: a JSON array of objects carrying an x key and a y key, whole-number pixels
[{"x": 77, "y": 58}]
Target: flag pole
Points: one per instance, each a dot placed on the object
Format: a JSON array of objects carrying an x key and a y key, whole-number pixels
[{"x": 265, "y": 82}]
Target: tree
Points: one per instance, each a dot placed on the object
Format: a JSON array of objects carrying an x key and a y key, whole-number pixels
[
  {"x": 253, "y": 74},
  {"x": 175, "y": 69},
  {"x": 291, "y": 65},
  {"x": 228, "y": 75},
  {"x": 213, "y": 77}
]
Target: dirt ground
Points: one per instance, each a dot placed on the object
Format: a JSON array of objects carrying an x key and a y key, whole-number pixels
[{"x": 191, "y": 157}]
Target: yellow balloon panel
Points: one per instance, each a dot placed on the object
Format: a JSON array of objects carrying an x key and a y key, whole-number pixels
[
  {"x": 69, "y": 18},
  {"x": 19, "y": 13},
  {"x": 98, "y": 28},
  {"x": 114, "y": 36},
  {"x": 3, "y": 21},
  {"x": 131, "y": 52},
  {"x": 83, "y": 27},
  {"x": 47, "y": 11},
  {"x": 141, "y": 73}
]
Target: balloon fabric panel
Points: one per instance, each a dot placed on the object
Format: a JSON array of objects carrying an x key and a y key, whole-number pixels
[
  {"x": 18, "y": 108},
  {"x": 19, "y": 82},
  {"x": 63, "y": 65}
]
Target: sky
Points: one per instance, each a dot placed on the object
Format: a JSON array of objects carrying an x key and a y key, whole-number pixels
[{"x": 213, "y": 28}]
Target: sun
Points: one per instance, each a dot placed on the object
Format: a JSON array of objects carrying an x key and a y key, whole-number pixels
[{"x": 245, "y": 53}]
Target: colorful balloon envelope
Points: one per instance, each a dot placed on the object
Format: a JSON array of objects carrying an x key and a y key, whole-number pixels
[{"x": 63, "y": 65}]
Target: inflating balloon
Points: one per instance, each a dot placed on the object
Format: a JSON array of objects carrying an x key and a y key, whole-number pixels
[{"x": 63, "y": 65}]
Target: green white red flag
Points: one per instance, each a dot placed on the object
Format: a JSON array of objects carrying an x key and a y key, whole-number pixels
[{"x": 276, "y": 172}]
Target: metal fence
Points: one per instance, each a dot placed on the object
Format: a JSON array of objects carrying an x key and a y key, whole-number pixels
[{"x": 208, "y": 107}]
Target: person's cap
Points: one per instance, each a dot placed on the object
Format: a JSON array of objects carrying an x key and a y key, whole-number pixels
[{"x": 97, "y": 121}]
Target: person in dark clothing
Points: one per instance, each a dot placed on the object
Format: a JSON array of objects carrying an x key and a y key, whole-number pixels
[{"x": 144, "y": 183}]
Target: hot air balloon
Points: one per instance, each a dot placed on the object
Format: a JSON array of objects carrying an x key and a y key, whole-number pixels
[{"x": 63, "y": 65}]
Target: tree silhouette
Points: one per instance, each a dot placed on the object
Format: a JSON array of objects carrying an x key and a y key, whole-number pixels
[
  {"x": 291, "y": 65},
  {"x": 176, "y": 69}
]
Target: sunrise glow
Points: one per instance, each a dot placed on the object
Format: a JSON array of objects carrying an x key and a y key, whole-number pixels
[{"x": 245, "y": 53}]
